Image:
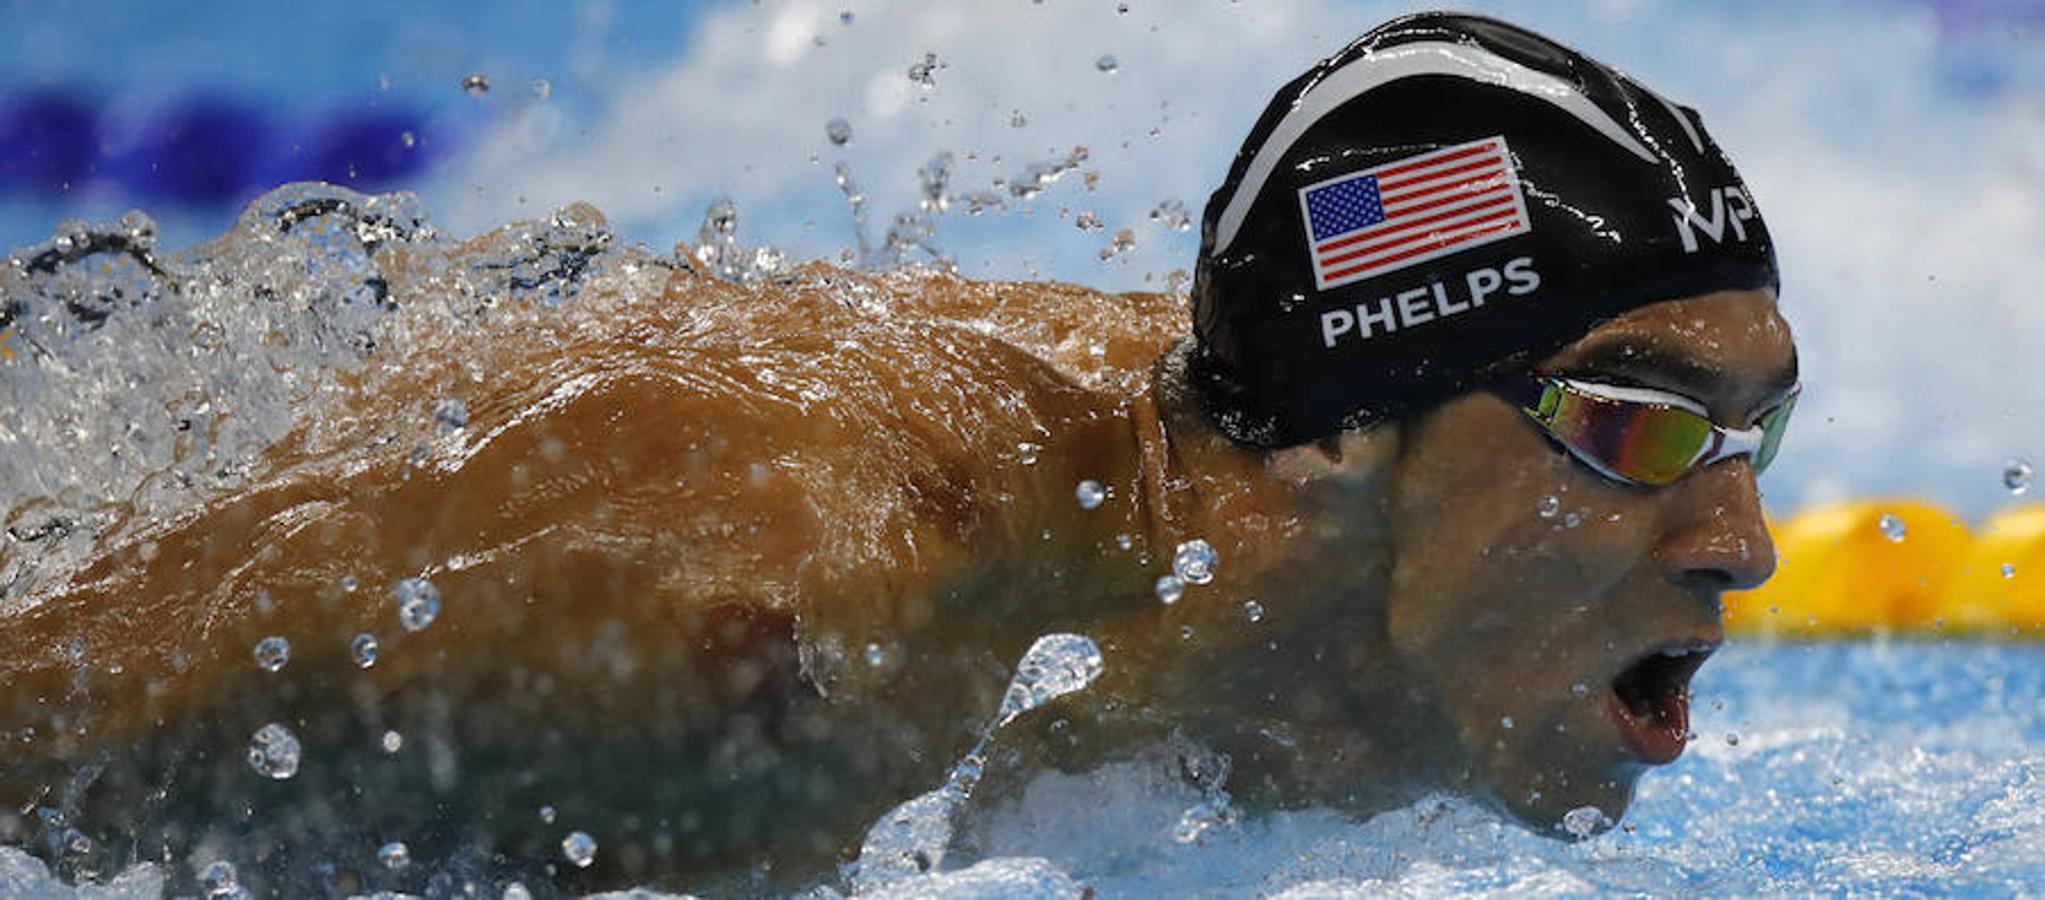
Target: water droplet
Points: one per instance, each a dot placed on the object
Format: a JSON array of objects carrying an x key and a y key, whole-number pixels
[
  {"x": 579, "y": 848},
  {"x": 2016, "y": 476},
  {"x": 1732, "y": 738},
  {"x": 1055, "y": 665},
  {"x": 392, "y": 742},
  {"x": 1169, "y": 589},
  {"x": 1172, "y": 214},
  {"x": 418, "y": 603},
  {"x": 1107, "y": 63},
  {"x": 542, "y": 89},
  {"x": 1253, "y": 610},
  {"x": 838, "y": 131},
  {"x": 274, "y": 752},
  {"x": 1026, "y": 453},
  {"x": 272, "y": 653},
  {"x": 1090, "y": 494},
  {"x": 409, "y": 139},
  {"x": 394, "y": 855},
  {"x": 1892, "y": 527},
  {"x": 1506, "y": 722},
  {"x": 1549, "y": 506},
  {"x": 220, "y": 880},
  {"x": 924, "y": 72},
  {"x": 2009, "y": 570},
  {"x": 517, "y": 891},
  {"x": 1120, "y": 245},
  {"x": 1583, "y": 821},
  {"x": 875, "y": 655},
  {"x": 363, "y": 647},
  {"x": 450, "y": 415},
  {"x": 476, "y": 84},
  {"x": 547, "y": 814},
  {"x": 1194, "y": 562}
]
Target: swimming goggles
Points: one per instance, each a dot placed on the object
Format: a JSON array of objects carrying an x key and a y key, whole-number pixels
[{"x": 1638, "y": 435}]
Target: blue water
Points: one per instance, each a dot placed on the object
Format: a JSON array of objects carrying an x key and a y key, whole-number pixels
[
  {"x": 1875, "y": 767},
  {"x": 1884, "y": 768}
]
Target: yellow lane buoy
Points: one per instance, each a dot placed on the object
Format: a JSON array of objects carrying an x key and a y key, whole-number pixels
[
  {"x": 1854, "y": 567},
  {"x": 1998, "y": 584}
]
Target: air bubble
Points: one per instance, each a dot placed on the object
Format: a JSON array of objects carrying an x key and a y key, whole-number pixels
[
  {"x": 394, "y": 855},
  {"x": 1107, "y": 63},
  {"x": 1090, "y": 494},
  {"x": 1169, "y": 589},
  {"x": 838, "y": 131},
  {"x": 1193, "y": 562},
  {"x": 1732, "y": 738},
  {"x": 1026, "y": 453},
  {"x": 418, "y": 603},
  {"x": 364, "y": 649},
  {"x": 476, "y": 84},
  {"x": 1893, "y": 527},
  {"x": 517, "y": 891},
  {"x": 274, "y": 752},
  {"x": 272, "y": 653},
  {"x": 2009, "y": 570},
  {"x": 1088, "y": 221},
  {"x": 391, "y": 742},
  {"x": 547, "y": 814},
  {"x": 1549, "y": 506},
  {"x": 542, "y": 89},
  {"x": 1254, "y": 611},
  {"x": 2016, "y": 476},
  {"x": 875, "y": 655},
  {"x": 579, "y": 848}
]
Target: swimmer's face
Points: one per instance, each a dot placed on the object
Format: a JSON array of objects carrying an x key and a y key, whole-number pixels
[{"x": 1559, "y": 636}]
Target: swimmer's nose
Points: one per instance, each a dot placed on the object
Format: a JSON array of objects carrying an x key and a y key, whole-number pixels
[{"x": 1719, "y": 539}]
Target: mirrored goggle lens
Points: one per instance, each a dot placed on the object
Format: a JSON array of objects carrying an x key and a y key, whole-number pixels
[
  {"x": 1772, "y": 426},
  {"x": 1646, "y": 443}
]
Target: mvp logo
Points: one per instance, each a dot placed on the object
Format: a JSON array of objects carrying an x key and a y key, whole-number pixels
[{"x": 1730, "y": 206}]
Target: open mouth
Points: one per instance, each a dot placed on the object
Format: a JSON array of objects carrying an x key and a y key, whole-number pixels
[{"x": 1651, "y": 700}]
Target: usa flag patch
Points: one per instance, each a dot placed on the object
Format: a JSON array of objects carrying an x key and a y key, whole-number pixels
[{"x": 1380, "y": 220}]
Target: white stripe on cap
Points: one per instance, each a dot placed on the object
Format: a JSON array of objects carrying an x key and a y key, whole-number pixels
[
  {"x": 1405, "y": 61},
  {"x": 1682, "y": 120}
]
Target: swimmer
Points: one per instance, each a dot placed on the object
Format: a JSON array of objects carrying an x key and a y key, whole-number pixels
[{"x": 1485, "y": 360}]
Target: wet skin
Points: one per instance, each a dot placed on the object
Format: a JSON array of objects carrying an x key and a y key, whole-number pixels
[{"x": 662, "y": 568}]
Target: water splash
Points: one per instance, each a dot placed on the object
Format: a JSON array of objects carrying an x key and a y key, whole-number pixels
[{"x": 912, "y": 838}]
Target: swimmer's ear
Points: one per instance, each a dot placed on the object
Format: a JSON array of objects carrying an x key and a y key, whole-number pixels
[{"x": 1359, "y": 454}]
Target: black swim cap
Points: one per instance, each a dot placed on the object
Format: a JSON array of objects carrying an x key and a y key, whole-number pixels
[{"x": 1448, "y": 198}]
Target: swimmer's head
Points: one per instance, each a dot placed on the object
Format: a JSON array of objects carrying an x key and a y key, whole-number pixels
[
  {"x": 1447, "y": 199},
  {"x": 1508, "y": 319}
]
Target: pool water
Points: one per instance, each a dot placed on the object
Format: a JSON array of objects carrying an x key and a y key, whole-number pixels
[{"x": 1874, "y": 767}]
